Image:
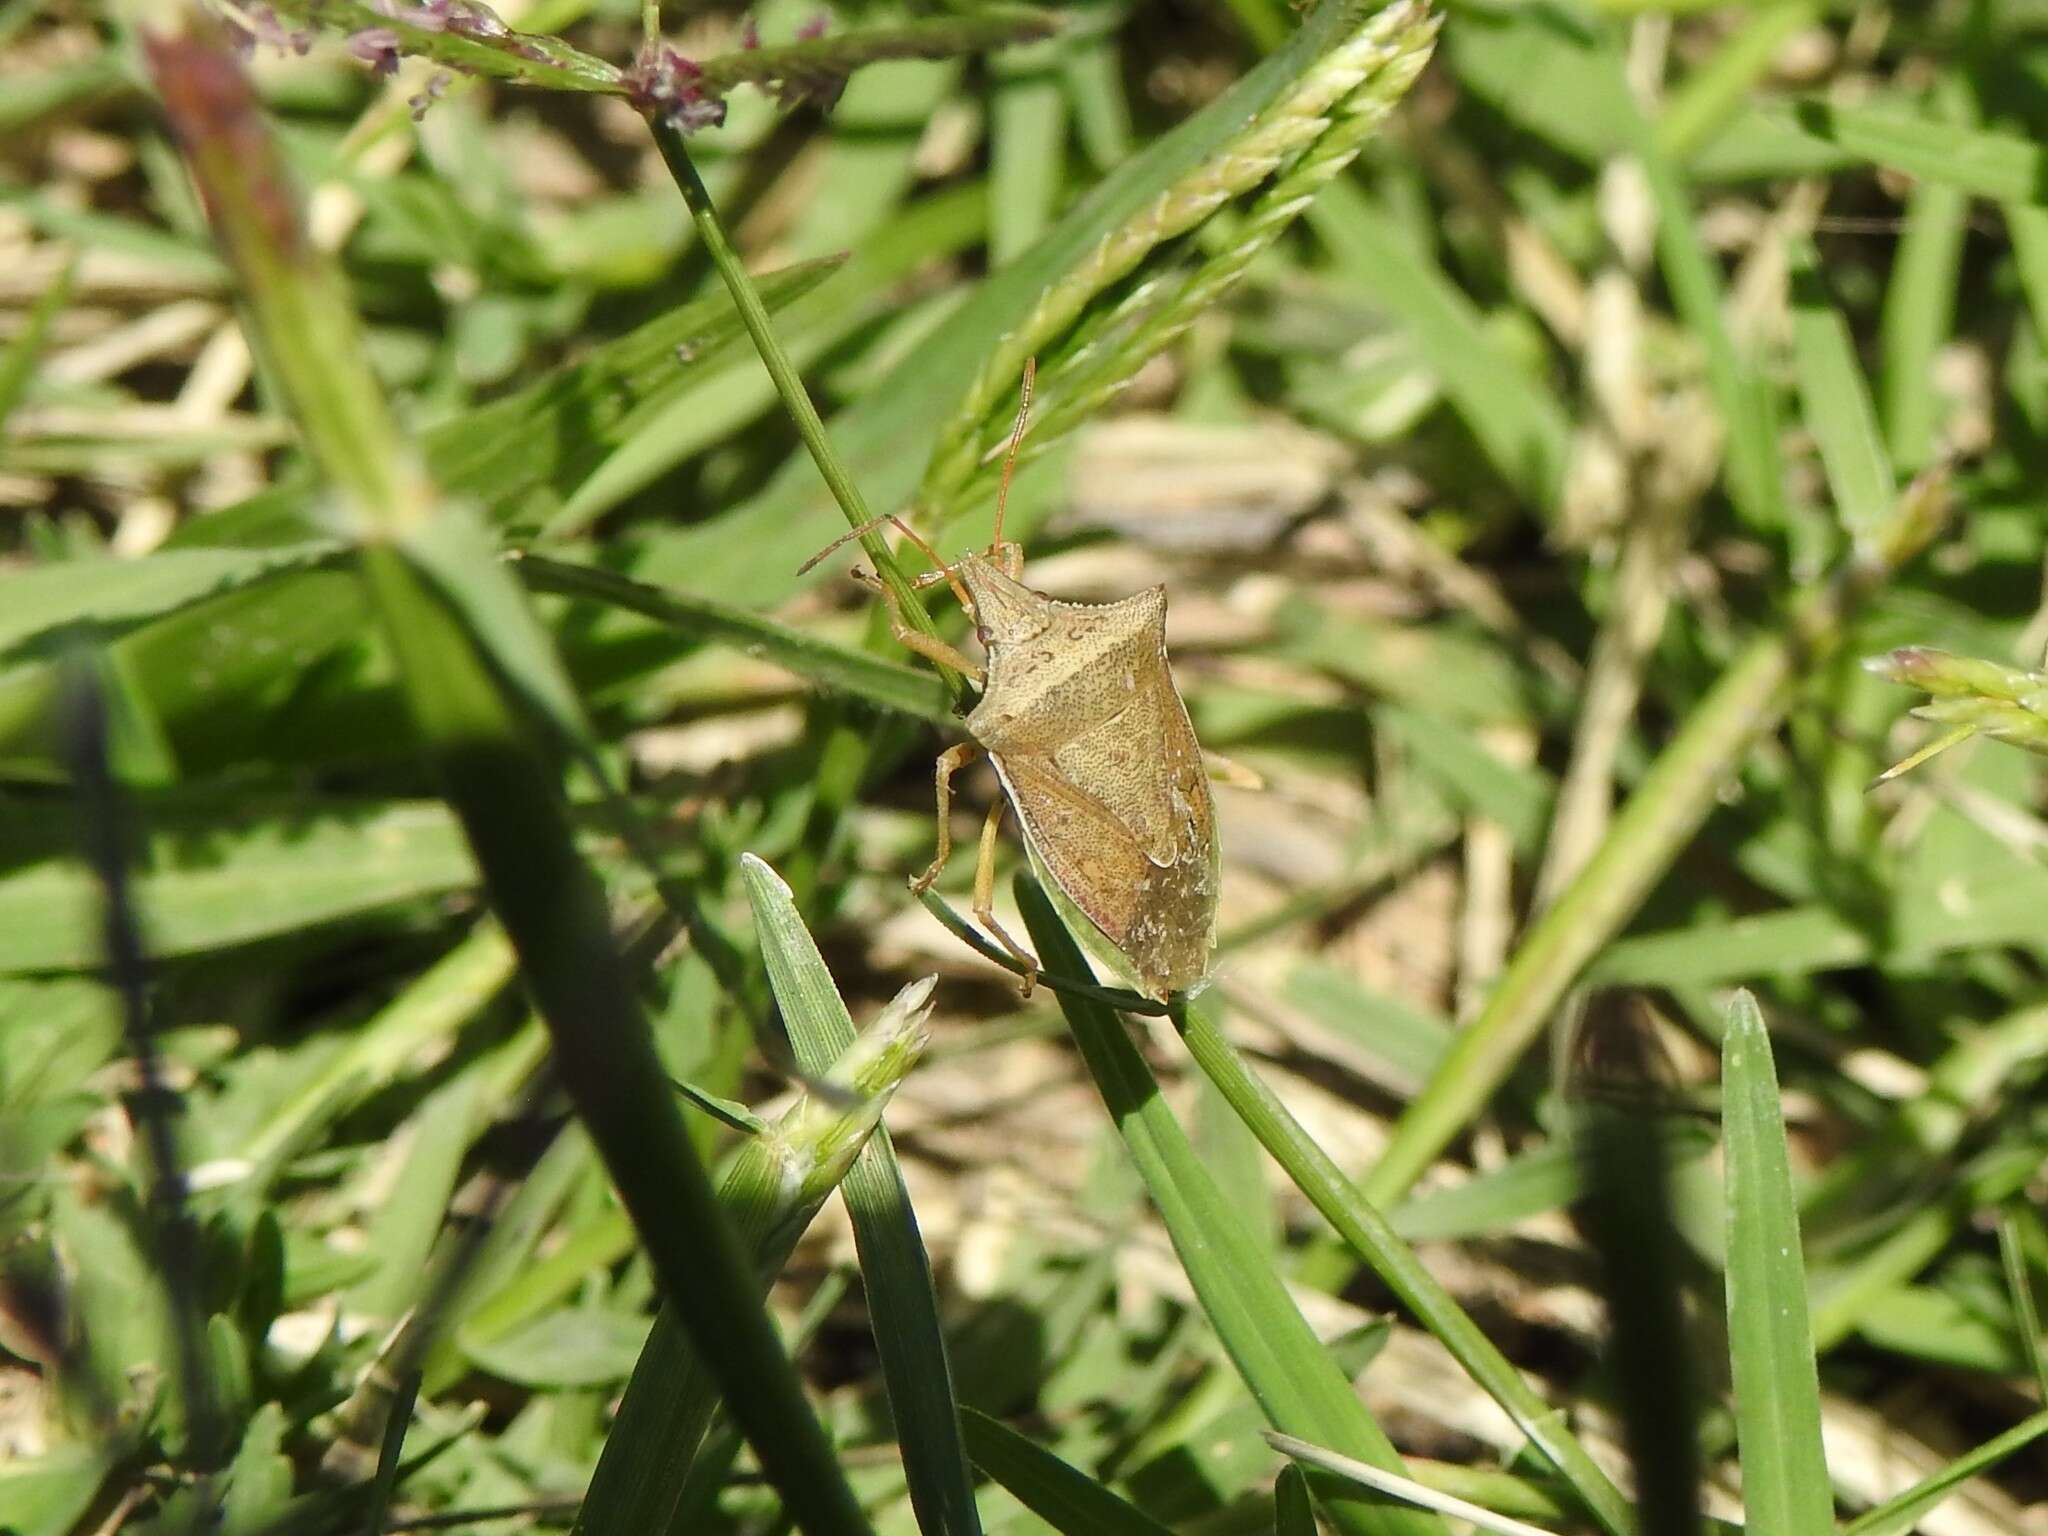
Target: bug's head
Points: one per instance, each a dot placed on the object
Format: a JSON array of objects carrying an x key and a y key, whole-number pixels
[{"x": 1004, "y": 610}]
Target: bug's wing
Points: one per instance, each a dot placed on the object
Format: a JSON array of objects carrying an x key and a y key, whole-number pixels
[
  {"x": 1091, "y": 855},
  {"x": 1141, "y": 867},
  {"x": 1144, "y": 766}
]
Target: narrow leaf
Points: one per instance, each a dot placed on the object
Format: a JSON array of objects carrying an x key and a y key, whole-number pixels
[
  {"x": 1837, "y": 401},
  {"x": 1978, "y": 161},
  {"x": 1065, "y": 1498},
  {"x": 1286, "y": 1367},
  {"x": 885, "y": 683},
  {"x": 894, "y": 1266},
  {"x": 1770, "y": 1344},
  {"x": 1898, "y": 1515},
  {"x": 104, "y": 597}
]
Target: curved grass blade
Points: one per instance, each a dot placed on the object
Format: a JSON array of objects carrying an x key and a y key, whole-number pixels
[
  {"x": 1369, "y": 1235},
  {"x": 1378, "y": 1479},
  {"x": 1289, "y": 1372},
  {"x": 1770, "y": 1341}
]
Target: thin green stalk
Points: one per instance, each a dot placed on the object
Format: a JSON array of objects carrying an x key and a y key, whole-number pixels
[
  {"x": 1371, "y": 1237},
  {"x": 2026, "y": 1319},
  {"x": 1898, "y": 1515},
  {"x": 1667, "y": 808},
  {"x": 675, "y": 154}
]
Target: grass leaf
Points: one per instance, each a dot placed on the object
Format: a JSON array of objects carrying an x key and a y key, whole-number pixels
[
  {"x": 1271, "y": 1347},
  {"x": 894, "y": 1267},
  {"x": 1770, "y": 1345}
]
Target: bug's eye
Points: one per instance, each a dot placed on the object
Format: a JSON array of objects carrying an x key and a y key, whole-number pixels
[{"x": 981, "y": 633}]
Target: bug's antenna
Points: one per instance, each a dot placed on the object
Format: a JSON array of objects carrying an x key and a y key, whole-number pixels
[
  {"x": 845, "y": 538},
  {"x": 1016, "y": 438},
  {"x": 940, "y": 569}
]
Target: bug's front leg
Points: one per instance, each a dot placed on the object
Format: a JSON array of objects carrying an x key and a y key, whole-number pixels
[
  {"x": 928, "y": 646},
  {"x": 985, "y": 894},
  {"x": 950, "y": 762}
]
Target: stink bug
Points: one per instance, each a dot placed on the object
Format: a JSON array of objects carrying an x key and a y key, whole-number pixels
[{"x": 1087, "y": 732}]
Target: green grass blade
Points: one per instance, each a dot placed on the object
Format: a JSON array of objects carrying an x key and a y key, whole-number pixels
[
  {"x": 1770, "y": 1345},
  {"x": 1648, "y": 1354},
  {"x": 1715, "y": 91},
  {"x": 1287, "y": 1369},
  {"x": 771, "y": 1190},
  {"x": 881, "y": 682},
  {"x": 46, "y": 604},
  {"x": 1027, "y": 139},
  {"x": 894, "y": 1266},
  {"x": 1976, "y": 161},
  {"x": 1517, "y": 422},
  {"x": 1293, "y": 1513},
  {"x": 25, "y": 351},
  {"x": 1754, "y": 473},
  {"x": 1919, "y": 314},
  {"x": 170, "y": 1231},
  {"x": 2013, "y": 1222},
  {"x": 223, "y": 874},
  {"x": 1367, "y": 1232},
  {"x": 1837, "y": 402},
  {"x": 1898, "y": 1515},
  {"x": 1068, "y": 1500},
  {"x": 454, "y": 990}
]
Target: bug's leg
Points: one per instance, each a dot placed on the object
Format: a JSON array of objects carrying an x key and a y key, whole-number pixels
[
  {"x": 985, "y": 894},
  {"x": 951, "y": 761},
  {"x": 928, "y": 646}
]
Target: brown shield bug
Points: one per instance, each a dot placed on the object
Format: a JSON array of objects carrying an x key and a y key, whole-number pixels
[{"x": 1081, "y": 719}]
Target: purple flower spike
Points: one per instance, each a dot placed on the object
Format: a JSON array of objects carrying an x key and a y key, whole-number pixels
[{"x": 663, "y": 83}]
